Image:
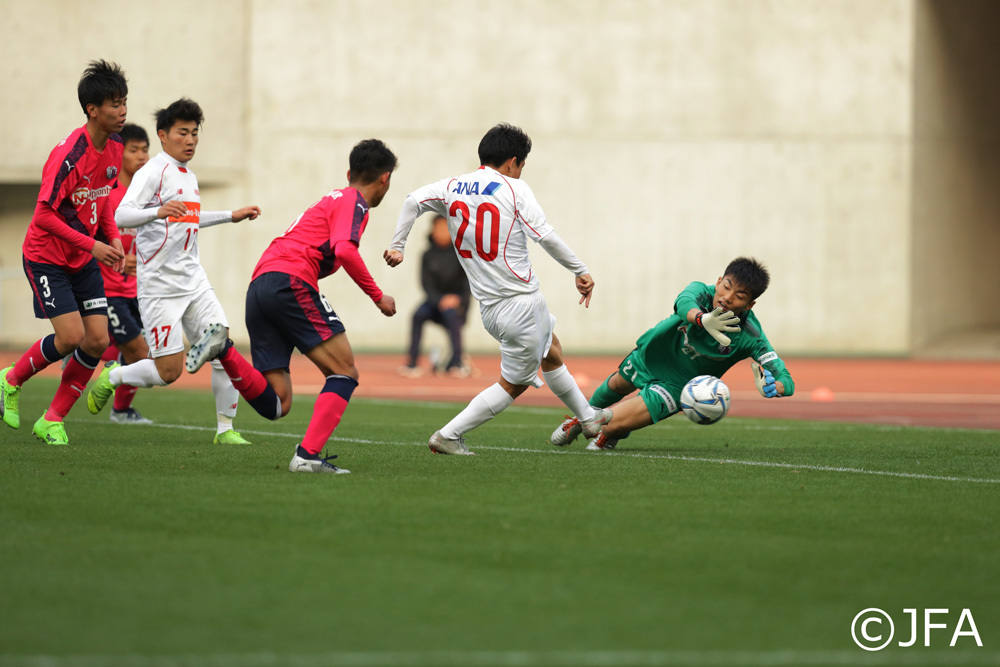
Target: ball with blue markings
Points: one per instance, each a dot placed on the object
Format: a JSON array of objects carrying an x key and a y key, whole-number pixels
[{"x": 705, "y": 399}]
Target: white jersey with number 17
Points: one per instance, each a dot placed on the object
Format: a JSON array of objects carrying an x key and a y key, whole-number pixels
[
  {"x": 166, "y": 249},
  {"x": 490, "y": 217}
]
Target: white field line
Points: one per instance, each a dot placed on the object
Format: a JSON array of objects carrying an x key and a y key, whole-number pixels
[
  {"x": 578, "y": 452},
  {"x": 429, "y": 391},
  {"x": 515, "y": 658}
]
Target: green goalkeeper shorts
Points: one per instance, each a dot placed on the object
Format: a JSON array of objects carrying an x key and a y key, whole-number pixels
[{"x": 662, "y": 397}]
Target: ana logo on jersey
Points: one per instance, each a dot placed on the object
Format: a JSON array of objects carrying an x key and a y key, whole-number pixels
[
  {"x": 473, "y": 188},
  {"x": 111, "y": 171}
]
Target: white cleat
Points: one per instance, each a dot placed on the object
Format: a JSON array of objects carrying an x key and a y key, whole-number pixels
[
  {"x": 303, "y": 461},
  {"x": 593, "y": 426},
  {"x": 602, "y": 443},
  {"x": 442, "y": 445},
  {"x": 211, "y": 344},
  {"x": 567, "y": 432}
]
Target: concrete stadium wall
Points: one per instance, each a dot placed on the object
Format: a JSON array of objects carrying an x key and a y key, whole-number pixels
[
  {"x": 668, "y": 139},
  {"x": 956, "y": 172}
]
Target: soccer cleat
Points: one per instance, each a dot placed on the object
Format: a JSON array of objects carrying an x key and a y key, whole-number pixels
[
  {"x": 303, "y": 461},
  {"x": 592, "y": 427},
  {"x": 230, "y": 437},
  {"x": 567, "y": 432},
  {"x": 211, "y": 344},
  {"x": 11, "y": 400},
  {"x": 602, "y": 442},
  {"x": 442, "y": 445},
  {"x": 128, "y": 416},
  {"x": 102, "y": 390},
  {"x": 51, "y": 433}
]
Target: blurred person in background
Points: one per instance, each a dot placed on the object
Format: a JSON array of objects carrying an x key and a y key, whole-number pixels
[{"x": 447, "y": 303}]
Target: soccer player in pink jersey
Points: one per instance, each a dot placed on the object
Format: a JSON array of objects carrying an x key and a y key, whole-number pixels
[
  {"x": 491, "y": 215},
  {"x": 284, "y": 308},
  {"x": 163, "y": 203},
  {"x": 124, "y": 321},
  {"x": 71, "y": 232}
]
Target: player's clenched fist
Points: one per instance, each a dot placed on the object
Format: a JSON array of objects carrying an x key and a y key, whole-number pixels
[
  {"x": 393, "y": 257},
  {"x": 387, "y": 305}
]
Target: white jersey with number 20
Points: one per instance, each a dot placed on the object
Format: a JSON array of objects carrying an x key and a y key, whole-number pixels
[{"x": 490, "y": 217}]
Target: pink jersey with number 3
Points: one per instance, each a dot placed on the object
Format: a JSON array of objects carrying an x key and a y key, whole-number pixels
[{"x": 76, "y": 182}]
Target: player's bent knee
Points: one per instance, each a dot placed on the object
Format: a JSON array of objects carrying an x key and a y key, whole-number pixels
[{"x": 169, "y": 373}]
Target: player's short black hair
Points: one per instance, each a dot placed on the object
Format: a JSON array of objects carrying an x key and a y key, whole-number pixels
[
  {"x": 749, "y": 274},
  {"x": 370, "y": 159},
  {"x": 183, "y": 109},
  {"x": 133, "y": 132},
  {"x": 503, "y": 142},
  {"x": 101, "y": 81}
]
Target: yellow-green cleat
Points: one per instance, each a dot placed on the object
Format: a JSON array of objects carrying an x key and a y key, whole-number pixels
[
  {"x": 102, "y": 390},
  {"x": 51, "y": 433},
  {"x": 11, "y": 400},
  {"x": 230, "y": 437}
]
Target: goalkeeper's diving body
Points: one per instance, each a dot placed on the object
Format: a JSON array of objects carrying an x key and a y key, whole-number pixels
[{"x": 712, "y": 329}]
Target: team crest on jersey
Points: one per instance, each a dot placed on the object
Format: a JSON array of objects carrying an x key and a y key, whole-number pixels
[{"x": 112, "y": 171}]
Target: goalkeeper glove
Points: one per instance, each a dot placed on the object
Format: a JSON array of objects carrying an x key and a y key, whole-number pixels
[
  {"x": 764, "y": 381},
  {"x": 717, "y": 321}
]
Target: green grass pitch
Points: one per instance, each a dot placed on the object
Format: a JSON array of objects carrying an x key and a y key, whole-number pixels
[{"x": 748, "y": 542}]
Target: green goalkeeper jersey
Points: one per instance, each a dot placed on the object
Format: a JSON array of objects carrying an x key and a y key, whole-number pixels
[{"x": 674, "y": 351}]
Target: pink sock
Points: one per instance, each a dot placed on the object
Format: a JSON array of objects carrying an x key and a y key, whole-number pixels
[
  {"x": 74, "y": 381},
  {"x": 30, "y": 363},
  {"x": 123, "y": 397},
  {"x": 110, "y": 354},
  {"x": 248, "y": 380},
  {"x": 325, "y": 418}
]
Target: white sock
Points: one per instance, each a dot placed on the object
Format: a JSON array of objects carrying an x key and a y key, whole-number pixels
[
  {"x": 226, "y": 397},
  {"x": 563, "y": 385},
  {"x": 488, "y": 404},
  {"x": 142, "y": 373}
]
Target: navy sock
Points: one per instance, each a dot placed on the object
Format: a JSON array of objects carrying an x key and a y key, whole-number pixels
[
  {"x": 267, "y": 404},
  {"x": 49, "y": 350}
]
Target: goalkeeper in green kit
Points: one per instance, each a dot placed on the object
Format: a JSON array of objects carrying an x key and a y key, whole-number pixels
[{"x": 712, "y": 329}]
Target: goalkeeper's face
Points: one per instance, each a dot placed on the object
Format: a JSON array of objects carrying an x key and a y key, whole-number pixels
[{"x": 730, "y": 295}]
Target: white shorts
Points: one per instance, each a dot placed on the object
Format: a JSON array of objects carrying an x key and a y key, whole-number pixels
[
  {"x": 162, "y": 315},
  {"x": 523, "y": 326}
]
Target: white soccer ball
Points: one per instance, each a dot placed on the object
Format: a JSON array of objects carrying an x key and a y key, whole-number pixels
[{"x": 705, "y": 399}]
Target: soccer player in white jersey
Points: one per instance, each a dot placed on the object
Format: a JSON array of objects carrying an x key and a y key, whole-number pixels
[
  {"x": 164, "y": 205},
  {"x": 491, "y": 214}
]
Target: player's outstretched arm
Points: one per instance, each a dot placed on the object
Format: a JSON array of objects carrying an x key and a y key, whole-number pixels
[
  {"x": 251, "y": 212},
  {"x": 585, "y": 286}
]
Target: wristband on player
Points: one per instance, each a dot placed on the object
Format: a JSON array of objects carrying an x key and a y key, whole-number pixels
[{"x": 697, "y": 319}]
